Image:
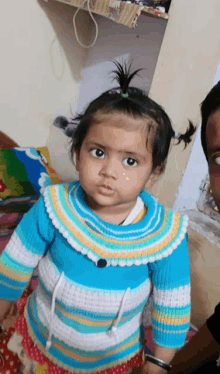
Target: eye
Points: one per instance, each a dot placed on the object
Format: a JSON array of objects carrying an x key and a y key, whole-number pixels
[
  {"x": 98, "y": 153},
  {"x": 129, "y": 161},
  {"x": 217, "y": 160}
]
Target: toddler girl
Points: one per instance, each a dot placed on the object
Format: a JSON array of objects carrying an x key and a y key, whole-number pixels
[{"x": 99, "y": 243}]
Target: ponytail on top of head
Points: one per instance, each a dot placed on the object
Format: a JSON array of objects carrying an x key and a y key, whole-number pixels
[{"x": 123, "y": 75}]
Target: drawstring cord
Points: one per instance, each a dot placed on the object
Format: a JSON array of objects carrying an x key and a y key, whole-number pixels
[
  {"x": 111, "y": 332},
  {"x": 48, "y": 343},
  {"x": 113, "y": 329}
]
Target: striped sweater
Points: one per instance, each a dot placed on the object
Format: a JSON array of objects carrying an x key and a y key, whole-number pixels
[{"x": 95, "y": 278}]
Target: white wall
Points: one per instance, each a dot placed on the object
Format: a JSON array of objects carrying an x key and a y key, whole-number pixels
[
  {"x": 142, "y": 45},
  {"x": 40, "y": 67}
]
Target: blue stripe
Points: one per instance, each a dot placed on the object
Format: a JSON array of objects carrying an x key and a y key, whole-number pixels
[
  {"x": 172, "y": 311},
  {"x": 10, "y": 293},
  {"x": 8, "y": 260},
  {"x": 135, "y": 277},
  {"x": 13, "y": 282},
  {"x": 75, "y": 364},
  {"x": 170, "y": 340},
  {"x": 168, "y": 327}
]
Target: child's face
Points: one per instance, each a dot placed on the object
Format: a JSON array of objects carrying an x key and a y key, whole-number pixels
[
  {"x": 213, "y": 148},
  {"x": 114, "y": 163}
]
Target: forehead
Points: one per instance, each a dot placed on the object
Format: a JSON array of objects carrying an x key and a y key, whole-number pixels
[
  {"x": 122, "y": 120},
  {"x": 213, "y": 129},
  {"x": 118, "y": 132}
]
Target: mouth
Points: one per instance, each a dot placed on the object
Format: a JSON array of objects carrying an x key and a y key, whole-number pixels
[
  {"x": 105, "y": 189},
  {"x": 106, "y": 186}
]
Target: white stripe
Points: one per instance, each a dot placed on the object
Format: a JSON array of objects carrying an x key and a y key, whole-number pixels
[
  {"x": 18, "y": 252},
  {"x": 87, "y": 342},
  {"x": 134, "y": 212},
  {"x": 92, "y": 299},
  {"x": 176, "y": 297}
]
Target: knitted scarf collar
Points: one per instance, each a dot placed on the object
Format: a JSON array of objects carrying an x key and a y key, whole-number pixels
[{"x": 154, "y": 237}]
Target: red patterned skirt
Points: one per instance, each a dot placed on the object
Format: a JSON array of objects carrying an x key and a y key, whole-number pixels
[{"x": 35, "y": 362}]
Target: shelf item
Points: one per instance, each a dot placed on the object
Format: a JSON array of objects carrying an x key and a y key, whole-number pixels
[
  {"x": 155, "y": 12},
  {"x": 116, "y": 10}
]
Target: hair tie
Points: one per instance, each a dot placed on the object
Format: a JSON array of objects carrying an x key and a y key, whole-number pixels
[
  {"x": 177, "y": 135},
  {"x": 124, "y": 95}
]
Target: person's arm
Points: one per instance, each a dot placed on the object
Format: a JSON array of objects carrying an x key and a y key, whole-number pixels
[
  {"x": 163, "y": 353},
  {"x": 23, "y": 252},
  {"x": 4, "y": 307},
  {"x": 201, "y": 348},
  {"x": 171, "y": 305}
]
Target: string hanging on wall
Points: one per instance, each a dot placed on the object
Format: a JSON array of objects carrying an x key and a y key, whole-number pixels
[{"x": 96, "y": 25}]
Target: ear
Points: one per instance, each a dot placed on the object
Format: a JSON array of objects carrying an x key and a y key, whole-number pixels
[
  {"x": 153, "y": 178},
  {"x": 76, "y": 157},
  {"x": 150, "y": 182}
]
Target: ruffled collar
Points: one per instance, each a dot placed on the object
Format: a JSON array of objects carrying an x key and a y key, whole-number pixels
[{"x": 155, "y": 236}]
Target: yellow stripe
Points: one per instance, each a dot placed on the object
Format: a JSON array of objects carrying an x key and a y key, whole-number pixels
[
  {"x": 170, "y": 320},
  {"x": 140, "y": 215},
  {"x": 89, "y": 321},
  {"x": 70, "y": 353},
  {"x": 13, "y": 274},
  {"x": 84, "y": 321},
  {"x": 116, "y": 254}
]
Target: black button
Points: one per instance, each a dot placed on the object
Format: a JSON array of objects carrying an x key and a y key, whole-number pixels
[{"x": 101, "y": 263}]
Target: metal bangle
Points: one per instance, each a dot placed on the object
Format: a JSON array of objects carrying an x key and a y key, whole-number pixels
[{"x": 158, "y": 362}]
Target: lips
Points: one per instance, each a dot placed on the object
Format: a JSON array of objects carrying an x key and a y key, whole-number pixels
[
  {"x": 106, "y": 186},
  {"x": 105, "y": 189}
]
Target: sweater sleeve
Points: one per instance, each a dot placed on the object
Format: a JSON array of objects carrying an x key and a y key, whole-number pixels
[
  {"x": 24, "y": 250},
  {"x": 214, "y": 325},
  {"x": 171, "y": 297}
]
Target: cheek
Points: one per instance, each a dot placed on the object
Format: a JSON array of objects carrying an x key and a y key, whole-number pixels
[
  {"x": 126, "y": 177},
  {"x": 89, "y": 169}
]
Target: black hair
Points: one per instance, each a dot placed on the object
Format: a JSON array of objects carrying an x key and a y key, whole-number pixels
[
  {"x": 131, "y": 101},
  {"x": 208, "y": 106}
]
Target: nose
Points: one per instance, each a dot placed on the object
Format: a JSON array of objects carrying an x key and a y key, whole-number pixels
[{"x": 109, "y": 168}]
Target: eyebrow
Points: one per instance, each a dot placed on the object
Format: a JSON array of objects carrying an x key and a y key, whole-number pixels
[
  {"x": 127, "y": 151},
  {"x": 213, "y": 149}
]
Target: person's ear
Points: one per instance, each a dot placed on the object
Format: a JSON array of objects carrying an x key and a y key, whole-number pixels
[
  {"x": 153, "y": 178},
  {"x": 150, "y": 182},
  {"x": 76, "y": 156}
]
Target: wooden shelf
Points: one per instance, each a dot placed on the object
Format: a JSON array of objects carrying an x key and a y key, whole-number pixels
[{"x": 155, "y": 12}]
